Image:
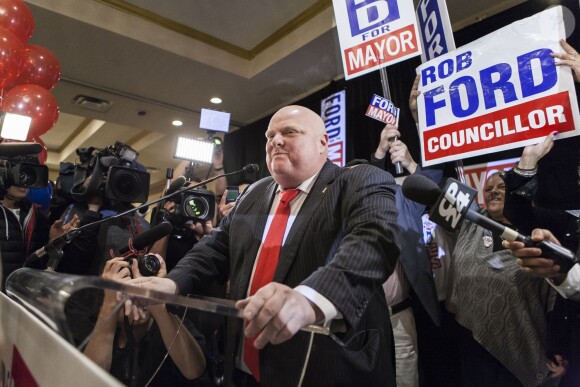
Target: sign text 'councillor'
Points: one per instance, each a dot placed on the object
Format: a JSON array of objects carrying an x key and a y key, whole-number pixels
[{"x": 475, "y": 101}]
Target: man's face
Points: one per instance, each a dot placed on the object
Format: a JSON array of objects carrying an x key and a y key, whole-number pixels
[
  {"x": 16, "y": 193},
  {"x": 297, "y": 145},
  {"x": 494, "y": 196}
]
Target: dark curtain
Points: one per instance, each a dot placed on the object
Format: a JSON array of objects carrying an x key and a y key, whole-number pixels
[{"x": 247, "y": 145}]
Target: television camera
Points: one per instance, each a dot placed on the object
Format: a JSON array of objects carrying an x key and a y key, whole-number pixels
[
  {"x": 112, "y": 173},
  {"x": 19, "y": 167}
]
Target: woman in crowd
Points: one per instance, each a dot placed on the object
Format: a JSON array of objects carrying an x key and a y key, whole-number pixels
[{"x": 501, "y": 310}]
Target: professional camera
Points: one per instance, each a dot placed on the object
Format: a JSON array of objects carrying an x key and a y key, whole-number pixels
[
  {"x": 148, "y": 264},
  {"x": 112, "y": 173},
  {"x": 196, "y": 204},
  {"x": 22, "y": 171}
]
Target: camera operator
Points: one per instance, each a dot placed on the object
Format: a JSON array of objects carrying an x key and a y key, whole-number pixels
[
  {"x": 133, "y": 350},
  {"x": 24, "y": 227},
  {"x": 106, "y": 182},
  {"x": 187, "y": 230}
]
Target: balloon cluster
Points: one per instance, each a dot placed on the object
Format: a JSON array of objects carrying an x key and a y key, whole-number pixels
[{"x": 27, "y": 72}]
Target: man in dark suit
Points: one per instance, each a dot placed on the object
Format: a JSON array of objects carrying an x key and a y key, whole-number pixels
[{"x": 340, "y": 246}]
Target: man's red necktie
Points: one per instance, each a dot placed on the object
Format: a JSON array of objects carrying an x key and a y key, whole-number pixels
[{"x": 266, "y": 266}]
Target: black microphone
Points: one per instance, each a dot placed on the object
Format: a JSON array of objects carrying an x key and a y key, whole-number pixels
[
  {"x": 19, "y": 149},
  {"x": 53, "y": 246},
  {"x": 146, "y": 238},
  {"x": 447, "y": 211},
  {"x": 251, "y": 168},
  {"x": 176, "y": 184}
]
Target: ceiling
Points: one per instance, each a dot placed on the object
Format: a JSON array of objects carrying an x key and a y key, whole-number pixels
[{"x": 157, "y": 61}]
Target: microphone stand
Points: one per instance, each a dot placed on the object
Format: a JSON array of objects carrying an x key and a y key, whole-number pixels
[{"x": 68, "y": 236}]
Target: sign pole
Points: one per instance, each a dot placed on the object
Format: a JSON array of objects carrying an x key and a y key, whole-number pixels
[{"x": 387, "y": 95}]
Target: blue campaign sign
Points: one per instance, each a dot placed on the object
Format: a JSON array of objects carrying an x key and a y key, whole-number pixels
[
  {"x": 435, "y": 26},
  {"x": 375, "y": 34},
  {"x": 381, "y": 109},
  {"x": 366, "y": 15}
]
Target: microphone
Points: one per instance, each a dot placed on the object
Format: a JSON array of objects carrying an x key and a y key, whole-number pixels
[
  {"x": 53, "y": 248},
  {"x": 19, "y": 149},
  {"x": 250, "y": 168},
  {"x": 137, "y": 245},
  {"x": 452, "y": 204},
  {"x": 176, "y": 184}
]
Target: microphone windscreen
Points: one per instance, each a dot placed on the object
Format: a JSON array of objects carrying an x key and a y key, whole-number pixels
[
  {"x": 19, "y": 149},
  {"x": 176, "y": 184},
  {"x": 251, "y": 168},
  {"x": 147, "y": 238},
  {"x": 421, "y": 190}
]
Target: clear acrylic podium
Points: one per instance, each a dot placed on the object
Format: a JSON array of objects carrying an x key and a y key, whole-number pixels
[{"x": 70, "y": 305}]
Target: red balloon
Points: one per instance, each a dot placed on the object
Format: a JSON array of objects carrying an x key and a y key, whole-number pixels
[
  {"x": 40, "y": 67},
  {"x": 17, "y": 17},
  {"x": 33, "y": 101},
  {"x": 11, "y": 57},
  {"x": 43, "y": 155}
]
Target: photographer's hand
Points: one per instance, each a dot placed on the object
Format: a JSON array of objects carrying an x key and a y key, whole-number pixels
[
  {"x": 223, "y": 207},
  {"x": 200, "y": 228},
  {"x": 59, "y": 228}
]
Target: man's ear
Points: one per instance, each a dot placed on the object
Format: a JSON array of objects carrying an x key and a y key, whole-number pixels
[{"x": 324, "y": 142}]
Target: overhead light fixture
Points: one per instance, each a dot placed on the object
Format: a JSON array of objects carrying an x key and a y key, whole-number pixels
[
  {"x": 216, "y": 100},
  {"x": 92, "y": 103},
  {"x": 194, "y": 150},
  {"x": 14, "y": 126},
  {"x": 177, "y": 123}
]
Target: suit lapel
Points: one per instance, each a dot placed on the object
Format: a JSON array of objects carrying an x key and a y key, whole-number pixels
[{"x": 307, "y": 212}]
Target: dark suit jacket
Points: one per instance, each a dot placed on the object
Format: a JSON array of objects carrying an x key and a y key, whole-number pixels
[
  {"x": 413, "y": 258},
  {"x": 343, "y": 244}
]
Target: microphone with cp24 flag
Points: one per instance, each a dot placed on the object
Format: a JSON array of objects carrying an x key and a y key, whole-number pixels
[{"x": 452, "y": 204}]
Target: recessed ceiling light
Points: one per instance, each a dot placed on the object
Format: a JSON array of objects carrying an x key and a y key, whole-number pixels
[
  {"x": 216, "y": 100},
  {"x": 177, "y": 123}
]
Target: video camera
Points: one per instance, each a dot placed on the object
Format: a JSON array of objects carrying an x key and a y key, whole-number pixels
[
  {"x": 197, "y": 205},
  {"x": 21, "y": 170},
  {"x": 111, "y": 173}
]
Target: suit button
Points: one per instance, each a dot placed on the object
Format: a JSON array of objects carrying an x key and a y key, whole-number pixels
[{"x": 358, "y": 312}]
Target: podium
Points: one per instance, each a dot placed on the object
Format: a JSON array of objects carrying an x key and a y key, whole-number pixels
[{"x": 47, "y": 318}]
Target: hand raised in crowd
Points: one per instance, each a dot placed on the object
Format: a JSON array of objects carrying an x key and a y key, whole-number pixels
[
  {"x": 529, "y": 259},
  {"x": 568, "y": 58},
  {"x": 59, "y": 228},
  {"x": 533, "y": 153},
  {"x": 396, "y": 148},
  {"x": 388, "y": 133},
  {"x": 413, "y": 99},
  {"x": 276, "y": 312},
  {"x": 223, "y": 207},
  {"x": 400, "y": 152}
]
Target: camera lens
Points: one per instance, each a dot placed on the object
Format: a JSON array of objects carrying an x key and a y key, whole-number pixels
[
  {"x": 196, "y": 207},
  {"x": 125, "y": 186},
  {"x": 27, "y": 177},
  {"x": 149, "y": 265}
]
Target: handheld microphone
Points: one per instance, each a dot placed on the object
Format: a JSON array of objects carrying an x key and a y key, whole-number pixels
[
  {"x": 138, "y": 244},
  {"x": 52, "y": 247},
  {"x": 451, "y": 205}
]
